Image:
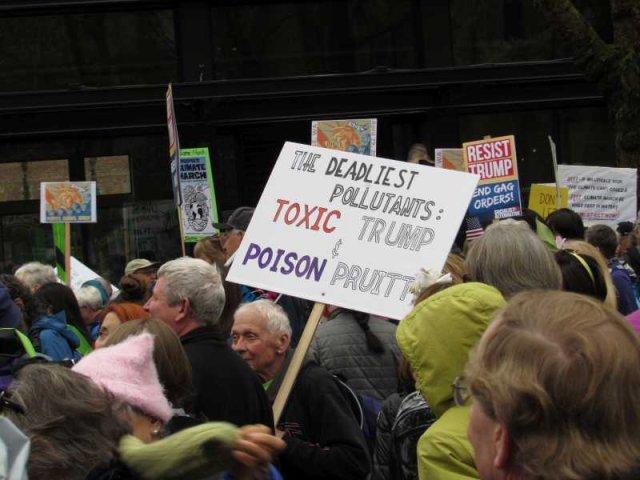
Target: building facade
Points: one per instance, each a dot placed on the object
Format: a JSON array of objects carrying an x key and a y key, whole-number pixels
[{"x": 82, "y": 96}]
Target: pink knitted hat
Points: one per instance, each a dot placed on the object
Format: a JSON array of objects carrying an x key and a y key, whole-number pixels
[{"x": 128, "y": 372}]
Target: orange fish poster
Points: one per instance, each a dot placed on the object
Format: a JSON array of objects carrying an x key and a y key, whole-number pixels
[
  {"x": 68, "y": 202},
  {"x": 355, "y": 136}
]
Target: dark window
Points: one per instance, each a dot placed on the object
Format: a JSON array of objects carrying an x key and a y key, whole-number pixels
[
  {"x": 586, "y": 137},
  {"x": 306, "y": 38},
  {"x": 73, "y": 50},
  {"x": 25, "y": 239},
  {"x": 139, "y": 230}
]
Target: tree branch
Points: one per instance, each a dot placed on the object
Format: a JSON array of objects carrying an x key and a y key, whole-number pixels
[
  {"x": 591, "y": 53},
  {"x": 625, "y": 15}
]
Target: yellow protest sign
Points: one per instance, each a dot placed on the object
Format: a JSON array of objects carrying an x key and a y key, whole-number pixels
[{"x": 542, "y": 199}]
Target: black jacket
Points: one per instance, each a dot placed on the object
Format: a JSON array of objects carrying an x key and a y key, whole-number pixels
[
  {"x": 401, "y": 423},
  {"x": 322, "y": 435},
  {"x": 225, "y": 388}
]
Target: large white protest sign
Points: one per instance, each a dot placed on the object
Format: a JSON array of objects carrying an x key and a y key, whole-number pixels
[
  {"x": 600, "y": 194},
  {"x": 349, "y": 230}
]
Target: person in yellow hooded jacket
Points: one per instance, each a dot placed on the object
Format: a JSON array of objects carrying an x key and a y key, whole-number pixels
[
  {"x": 439, "y": 333},
  {"x": 436, "y": 337}
]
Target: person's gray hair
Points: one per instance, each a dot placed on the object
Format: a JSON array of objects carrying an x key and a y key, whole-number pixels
[
  {"x": 275, "y": 318},
  {"x": 90, "y": 297},
  {"x": 197, "y": 281},
  {"x": 511, "y": 257},
  {"x": 36, "y": 274}
]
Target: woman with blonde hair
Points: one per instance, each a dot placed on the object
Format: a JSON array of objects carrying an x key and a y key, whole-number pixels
[{"x": 555, "y": 385}]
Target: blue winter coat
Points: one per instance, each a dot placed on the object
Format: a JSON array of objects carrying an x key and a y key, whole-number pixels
[{"x": 54, "y": 339}]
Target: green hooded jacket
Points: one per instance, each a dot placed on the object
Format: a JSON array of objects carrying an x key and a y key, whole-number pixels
[{"x": 436, "y": 338}]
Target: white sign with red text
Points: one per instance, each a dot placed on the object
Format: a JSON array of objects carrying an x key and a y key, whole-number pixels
[
  {"x": 601, "y": 194},
  {"x": 349, "y": 230}
]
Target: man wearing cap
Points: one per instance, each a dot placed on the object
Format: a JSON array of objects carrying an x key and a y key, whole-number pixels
[
  {"x": 232, "y": 231},
  {"x": 144, "y": 267}
]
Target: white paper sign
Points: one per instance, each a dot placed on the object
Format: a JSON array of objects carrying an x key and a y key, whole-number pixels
[
  {"x": 80, "y": 273},
  {"x": 350, "y": 230},
  {"x": 600, "y": 194}
]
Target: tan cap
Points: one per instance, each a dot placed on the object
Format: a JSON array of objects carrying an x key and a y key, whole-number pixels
[{"x": 138, "y": 264}]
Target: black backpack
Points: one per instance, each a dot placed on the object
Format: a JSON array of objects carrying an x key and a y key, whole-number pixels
[
  {"x": 15, "y": 350},
  {"x": 413, "y": 418}
]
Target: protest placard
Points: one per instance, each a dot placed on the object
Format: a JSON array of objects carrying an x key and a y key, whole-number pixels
[
  {"x": 450, "y": 158},
  {"x": 543, "y": 198},
  {"x": 199, "y": 208},
  {"x": 349, "y": 230},
  {"x": 174, "y": 146},
  {"x": 601, "y": 194},
  {"x": 355, "y": 135},
  {"x": 498, "y": 192},
  {"x": 68, "y": 202}
]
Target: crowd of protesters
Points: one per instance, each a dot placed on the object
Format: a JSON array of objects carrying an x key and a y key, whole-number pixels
[{"x": 519, "y": 360}]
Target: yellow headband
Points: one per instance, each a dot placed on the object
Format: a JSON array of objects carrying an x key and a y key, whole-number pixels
[{"x": 586, "y": 267}]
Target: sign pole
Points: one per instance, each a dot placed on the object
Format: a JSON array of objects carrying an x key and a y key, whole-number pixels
[
  {"x": 174, "y": 155},
  {"x": 67, "y": 251},
  {"x": 296, "y": 362},
  {"x": 555, "y": 169},
  {"x": 179, "y": 209}
]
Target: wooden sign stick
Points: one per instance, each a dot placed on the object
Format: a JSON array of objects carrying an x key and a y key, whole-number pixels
[
  {"x": 181, "y": 226},
  {"x": 296, "y": 362},
  {"x": 554, "y": 157}
]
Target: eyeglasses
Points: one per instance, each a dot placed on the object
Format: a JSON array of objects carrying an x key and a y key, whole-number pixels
[
  {"x": 460, "y": 389},
  {"x": 6, "y": 402}
]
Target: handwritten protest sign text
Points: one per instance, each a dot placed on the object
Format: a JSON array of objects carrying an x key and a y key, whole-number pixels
[{"x": 346, "y": 229}]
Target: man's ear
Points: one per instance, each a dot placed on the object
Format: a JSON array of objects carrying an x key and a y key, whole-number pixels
[
  {"x": 185, "y": 310},
  {"x": 282, "y": 343},
  {"x": 503, "y": 447}
]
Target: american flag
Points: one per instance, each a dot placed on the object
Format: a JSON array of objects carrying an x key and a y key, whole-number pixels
[{"x": 474, "y": 229}]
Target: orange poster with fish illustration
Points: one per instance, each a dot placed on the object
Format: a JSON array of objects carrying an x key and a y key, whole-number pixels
[
  {"x": 68, "y": 202},
  {"x": 356, "y": 136}
]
